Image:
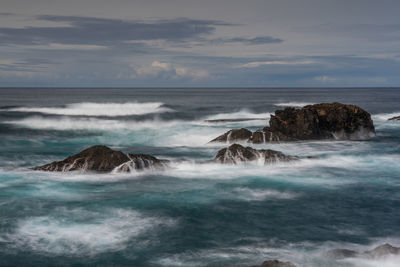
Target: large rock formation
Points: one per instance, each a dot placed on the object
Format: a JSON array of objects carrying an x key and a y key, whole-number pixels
[
  {"x": 236, "y": 153},
  {"x": 322, "y": 121},
  {"x": 276, "y": 263},
  {"x": 102, "y": 159},
  {"x": 312, "y": 122}
]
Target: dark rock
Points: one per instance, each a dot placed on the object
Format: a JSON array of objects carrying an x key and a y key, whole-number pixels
[
  {"x": 140, "y": 162},
  {"x": 103, "y": 159},
  {"x": 234, "y": 135},
  {"x": 312, "y": 122},
  {"x": 276, "y": 263},
  {"x": 341, "y": 253},
  {"x": 397, "y": 118},
  {"x": 236, "y": 153},
  {"x": 95, "y": 158},
  {"x": 322, "y": 121}
]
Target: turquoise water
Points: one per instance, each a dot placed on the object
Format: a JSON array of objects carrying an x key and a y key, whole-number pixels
[{"x": 193, "y": 214}]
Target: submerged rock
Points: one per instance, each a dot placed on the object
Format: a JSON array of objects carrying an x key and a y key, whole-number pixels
[
  {"x": 234, "y": 136},
  {"x": 276, "y": 263},
  {"x": 237, "y": 153},
  {"x": 312, "y": 122},
  {"x": 397, "y": 118},
  {"x": 376, "y": 253},
  {"x": 101, "y": 159}
]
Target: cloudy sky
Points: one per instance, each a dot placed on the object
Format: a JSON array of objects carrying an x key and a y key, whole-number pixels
[{"x": 167, "y": 43}]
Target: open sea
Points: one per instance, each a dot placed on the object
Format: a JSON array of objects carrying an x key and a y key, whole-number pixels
[{"x": 192, "y": 214}]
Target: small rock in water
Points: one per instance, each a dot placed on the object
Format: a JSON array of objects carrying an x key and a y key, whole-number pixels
[
  {"x": 234, "y": 136},
  {"x": 103, "y": 159},
  {"x": 237, "y": 153},
  {"x": 397, "y": 118},
  {"x": 276, "y": 263}
]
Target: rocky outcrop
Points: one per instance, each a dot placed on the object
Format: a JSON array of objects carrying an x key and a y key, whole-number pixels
[
  {"x": 102, "y": 159},
  {"x": 236, "y": 153},
  {"x": 397, "y": 118},
  {"x": 376, "y": 253},
  {"x": 312, "y": 122},
  {"x": 276, "y": 263},
  {"x": 234, "y": 136},
  {"x": 322, "y": 121}
]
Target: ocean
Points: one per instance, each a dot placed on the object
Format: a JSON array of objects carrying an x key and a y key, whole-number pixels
[{"x": 193, "y": 213}]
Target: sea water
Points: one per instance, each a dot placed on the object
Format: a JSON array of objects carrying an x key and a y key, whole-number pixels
[{"x": 193, "y": 213}]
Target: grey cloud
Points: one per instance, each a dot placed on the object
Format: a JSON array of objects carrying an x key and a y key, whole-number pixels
[
  {"x": 253, "y": 41},
  {"x": 89, "y": 30}
]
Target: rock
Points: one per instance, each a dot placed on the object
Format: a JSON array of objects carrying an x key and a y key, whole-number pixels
[
  {"x": 237, "y": 153},
  {"x": 235, "y": 120},
  {"x": 312, "y": 122},
  {"x": 397, "y": 118},
  {"x": 140, "y": 162},
  {"x": 102, "y": 159},
  {"x": 383, "y": 251},
  {"x": 322, "y": 121},
  {"x": 341, "y": 253},
  {"x": 234, "y": 135},
  {"x": 276, "y": 263},
  {"x": 378, "y": 252}
]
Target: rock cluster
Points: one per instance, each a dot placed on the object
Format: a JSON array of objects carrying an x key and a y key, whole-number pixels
[
  {"x": 236, "y": 153},
  {"x": 397, "y": 118},
  {"x": 102, "y": 159},
  {"x": 312, "y": 122}
]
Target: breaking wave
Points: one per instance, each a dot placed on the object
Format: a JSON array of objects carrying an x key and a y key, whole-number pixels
[{"x": 99, "y": 109}]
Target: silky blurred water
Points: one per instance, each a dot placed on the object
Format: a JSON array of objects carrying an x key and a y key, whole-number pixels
[{"x": 192, "y": 214}]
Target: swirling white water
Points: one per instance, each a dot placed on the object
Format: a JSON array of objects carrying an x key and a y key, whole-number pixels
[{"x": 194, "y": 213}]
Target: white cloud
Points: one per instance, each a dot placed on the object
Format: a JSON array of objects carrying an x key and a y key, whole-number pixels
[
  {"x": 257, "y": 64},
  {"x": 168, "y": 70}
]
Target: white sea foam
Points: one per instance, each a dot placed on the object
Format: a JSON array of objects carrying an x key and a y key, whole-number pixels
[
  {"x": 263, "y": 194},
  {"x": 99, "y": 109},
  {"x": 385, "y": 116},
  {"x": 83, "y": 232},
  {"x": 242, "y": 114},
  {"x": 293, "y": 104}
]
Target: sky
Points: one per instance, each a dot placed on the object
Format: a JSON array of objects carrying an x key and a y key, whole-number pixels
[{"x": 207, "y": 43}]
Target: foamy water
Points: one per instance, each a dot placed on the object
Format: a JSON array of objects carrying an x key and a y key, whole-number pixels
[{"x": 340, "y": 194}]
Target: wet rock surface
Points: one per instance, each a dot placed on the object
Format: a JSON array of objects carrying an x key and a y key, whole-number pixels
[
  {"x": 234, "y": 136},
  {"x": 236, "y": 153},
  {"x": 312, "y": 122},
  {"x": 397, "y": 118},
  {"x": 102, "y": 159}
]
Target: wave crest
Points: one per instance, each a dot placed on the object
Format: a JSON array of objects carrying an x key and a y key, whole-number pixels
[{"x": 99, "y": 109}]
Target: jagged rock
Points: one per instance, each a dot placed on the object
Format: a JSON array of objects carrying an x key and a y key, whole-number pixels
[
  {"x": 102, "y": 159},
  {"x": 276, "y": 263},
  {"x": 397, "y": 118},
  {"x": 312, "y": 122},
  {"x": 234, "y": 135},
  {"x": 237, "y": 153},
  {"x": 322, "y": 121},
  {"x": 140, "y": 162}
]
